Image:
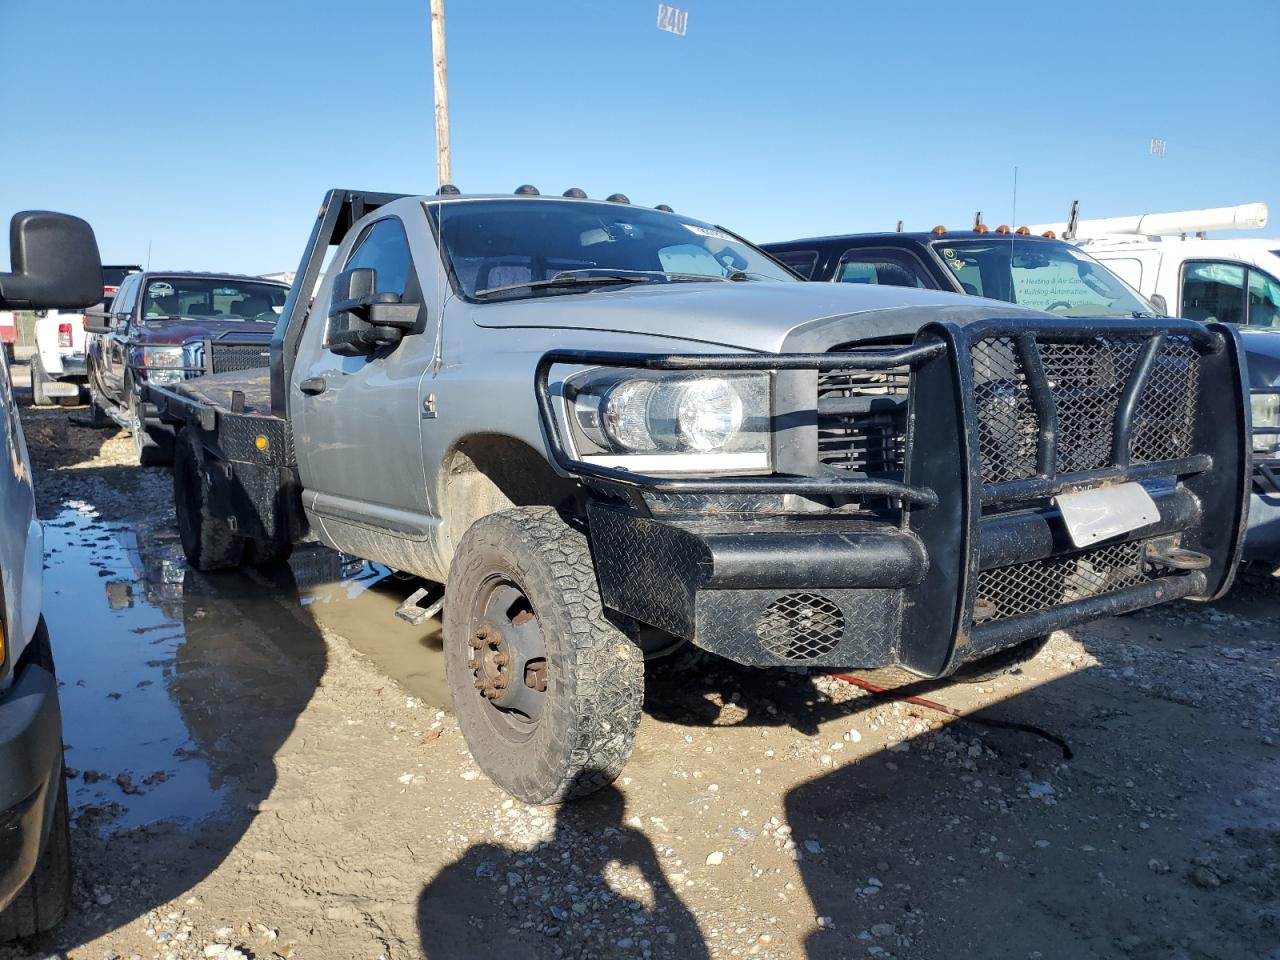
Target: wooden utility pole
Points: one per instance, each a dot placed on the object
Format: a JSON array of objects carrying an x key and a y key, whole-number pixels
[{"x": 440, "y": 78}]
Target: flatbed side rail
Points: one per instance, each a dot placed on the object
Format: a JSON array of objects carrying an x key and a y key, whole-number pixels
[{"x": 908, "y": 494}]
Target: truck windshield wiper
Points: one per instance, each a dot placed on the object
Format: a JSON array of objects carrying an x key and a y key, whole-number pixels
[{"x": 567, "y": 280}]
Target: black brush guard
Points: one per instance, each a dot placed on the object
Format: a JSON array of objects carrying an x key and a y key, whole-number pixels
[{"x": 977, "y": 557}]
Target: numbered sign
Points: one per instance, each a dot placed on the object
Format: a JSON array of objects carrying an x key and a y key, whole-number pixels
[{"x": 673, "y": 20}]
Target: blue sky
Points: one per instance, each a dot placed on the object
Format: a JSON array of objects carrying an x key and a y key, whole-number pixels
[{"x": 211, "y": 130}]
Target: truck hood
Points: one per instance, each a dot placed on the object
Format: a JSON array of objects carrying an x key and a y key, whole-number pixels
[
  {"x": 747, "y": 316},
  {"x": 1262, "y": 351},
  {"x": 181, "y": 331}
]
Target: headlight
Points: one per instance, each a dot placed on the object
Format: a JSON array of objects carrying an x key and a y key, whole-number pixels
[
  {"x": 163, "y": 364},
  {"x": 663, "y": 423},
  {"x": 1266, "y": 413}
]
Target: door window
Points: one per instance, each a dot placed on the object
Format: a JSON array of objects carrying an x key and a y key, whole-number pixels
[
  {"x": 1264, "y": 300},
  {"x": 883, "y": 267},
  {"x": 1213, "y": 291},
  {"x": 126, "y": 296},
  {"x": 801, "y": 261},
  {"x": 385, "y": 248}
]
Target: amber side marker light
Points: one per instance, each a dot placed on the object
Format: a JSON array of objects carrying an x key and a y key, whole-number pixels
[{"x": 261, "y": 443}]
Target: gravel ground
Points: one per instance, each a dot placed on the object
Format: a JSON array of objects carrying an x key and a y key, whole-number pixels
[{"x": 1118, "y": 797}]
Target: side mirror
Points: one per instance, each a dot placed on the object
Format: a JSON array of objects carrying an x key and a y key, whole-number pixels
[
  {"x": 55, "y": 263},
  {"x": 362, "y": 321},
  {"x": 97, "y": 321},
  {"x": 1160, "y": 303}
]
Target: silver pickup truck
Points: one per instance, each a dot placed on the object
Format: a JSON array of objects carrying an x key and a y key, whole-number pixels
[{"x": 609, "y": 431}]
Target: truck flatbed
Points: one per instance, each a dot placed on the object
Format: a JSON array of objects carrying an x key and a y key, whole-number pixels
[{"x": 217, "y": 391}]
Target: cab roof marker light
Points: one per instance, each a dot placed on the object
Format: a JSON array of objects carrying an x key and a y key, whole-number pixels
[
  {"x": 664, "y": 208},
  {"x": 939, "y": 230},
  {"x": 1050, "y": 235},
  {"x": 618, "y": 198},
  {"x": 575, "y": 193},
  {"x": 448, "y": 190},
  {"x": 1023, "y": 232},
  {"x": 1003, "y": 228},
  {"x": 980, "y": 228},
  {"x": 527, "y": 190}
]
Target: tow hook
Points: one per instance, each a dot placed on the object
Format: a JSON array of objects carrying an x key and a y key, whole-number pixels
[{"x": 1175, "y": 558}]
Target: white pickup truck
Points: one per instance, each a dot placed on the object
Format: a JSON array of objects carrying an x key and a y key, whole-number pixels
[
  {"x": 1169, "y": 258},
  {"x": 58, "y": 370}
]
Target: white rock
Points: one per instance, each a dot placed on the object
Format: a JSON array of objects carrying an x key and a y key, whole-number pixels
[{"x": 715, "y": 858}]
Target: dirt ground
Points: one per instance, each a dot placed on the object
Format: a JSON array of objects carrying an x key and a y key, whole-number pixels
[{"x": 261, "y": 767}]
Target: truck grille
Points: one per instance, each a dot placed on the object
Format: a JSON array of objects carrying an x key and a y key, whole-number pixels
[
  {"x": 862, "y": 421},
  {"x": 1087, "y": 382},
  {"x": 1030, "y": 587},
  {"x": 227, "y": 357}
]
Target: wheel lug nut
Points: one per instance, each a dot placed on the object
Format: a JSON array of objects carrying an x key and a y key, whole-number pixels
[{"x": 502, "y": 659}]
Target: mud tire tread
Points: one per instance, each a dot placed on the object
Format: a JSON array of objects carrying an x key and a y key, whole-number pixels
[
  {"x": 206, "y": 541},
  {"x": 585, "y": 737}
]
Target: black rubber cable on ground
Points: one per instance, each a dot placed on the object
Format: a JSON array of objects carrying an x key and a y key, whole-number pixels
[{"x": 886, "y": 693}]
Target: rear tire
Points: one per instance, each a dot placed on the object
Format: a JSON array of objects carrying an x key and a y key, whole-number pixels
[
  {"x": 43, "y": 902},
  {"x": 581, "y": 727},
  {"x": 266, "y": 554},
  {"x": 38, "y": 380},
  {"x": 207, "y": 542}
]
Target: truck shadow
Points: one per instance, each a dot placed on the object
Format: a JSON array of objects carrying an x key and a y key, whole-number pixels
[
  {"x": 496, "y": 901},
  {"x": 963, "y": 838}
]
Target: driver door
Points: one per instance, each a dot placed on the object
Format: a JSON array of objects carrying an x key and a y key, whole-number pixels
[{"x": 359, "y": 453}]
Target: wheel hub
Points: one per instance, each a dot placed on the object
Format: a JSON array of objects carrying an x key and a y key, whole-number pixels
[{"x": 507, "y": 656}]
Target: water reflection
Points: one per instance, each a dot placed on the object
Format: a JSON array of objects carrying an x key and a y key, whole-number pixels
[{"x": 178, "y": 688}]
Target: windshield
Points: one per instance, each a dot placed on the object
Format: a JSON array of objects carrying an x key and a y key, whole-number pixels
[
  {"x": 1041, "y": 274},
  {"x": 496, "y": 247},
  {"x": 212, "y": 298}
]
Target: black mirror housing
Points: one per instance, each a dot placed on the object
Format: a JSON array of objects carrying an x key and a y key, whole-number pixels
[
  {"x": 55, "y": 263},
  {"x": 1160, "y": 303},
  {"x": 362, "y": 320}
]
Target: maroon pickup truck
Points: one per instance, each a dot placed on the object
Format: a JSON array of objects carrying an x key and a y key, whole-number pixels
[{"x": 166, "y": 327}]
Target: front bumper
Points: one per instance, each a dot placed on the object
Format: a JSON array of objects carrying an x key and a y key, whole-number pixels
[
  {"x": 30, "y": 764},
  {"x": 971, "y": 559}
]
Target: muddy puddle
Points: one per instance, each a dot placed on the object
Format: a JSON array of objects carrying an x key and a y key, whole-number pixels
[{"x": 178, "y": 688}]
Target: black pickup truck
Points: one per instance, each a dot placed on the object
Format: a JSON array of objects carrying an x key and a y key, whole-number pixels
[{"x": 166, "y": 327}]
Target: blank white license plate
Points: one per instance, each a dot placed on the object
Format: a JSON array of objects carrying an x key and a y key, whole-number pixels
[{"x": 1093, "y": 515}]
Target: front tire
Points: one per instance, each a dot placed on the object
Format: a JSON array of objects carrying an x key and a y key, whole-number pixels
[
  {"x": 1003, "y": 662},
  {"x": 207, "y": 542},
  {"x": 556, "y": 719},
  {"x": 43, "y": 902},
  {"x": 153, "y": 442}
]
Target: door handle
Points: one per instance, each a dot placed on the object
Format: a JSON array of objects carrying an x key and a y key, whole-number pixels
[{"x": 314, "y": 386}]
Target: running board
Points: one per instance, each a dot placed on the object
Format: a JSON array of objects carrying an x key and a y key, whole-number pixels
[{"x": 411, "y": 611}]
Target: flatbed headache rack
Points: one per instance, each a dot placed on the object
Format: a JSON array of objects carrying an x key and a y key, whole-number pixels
[{"x": 242, "y": 415}]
